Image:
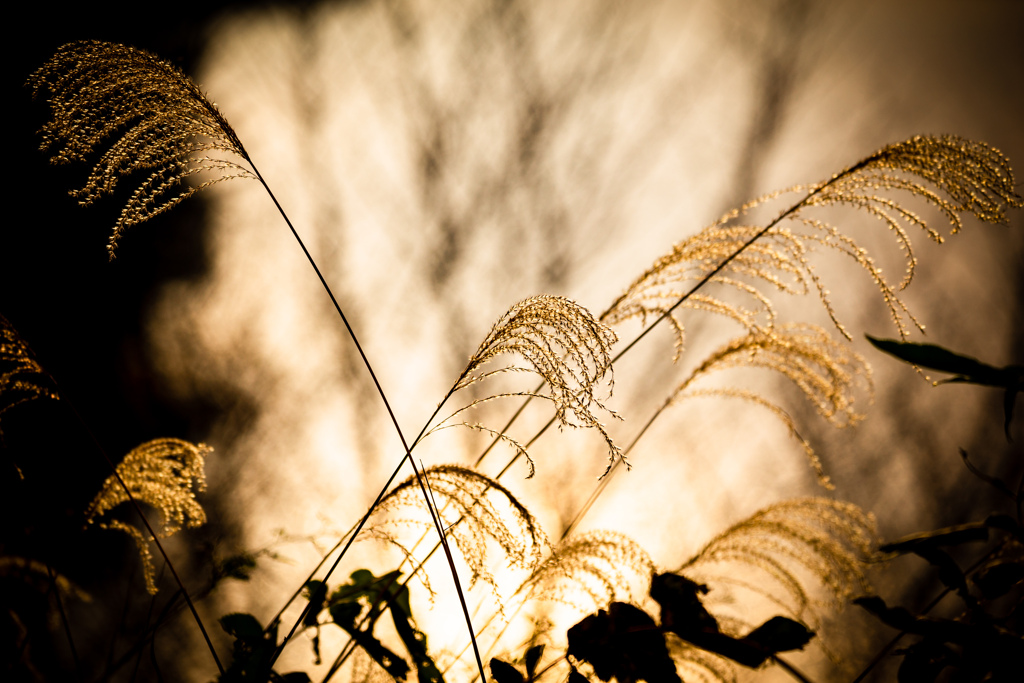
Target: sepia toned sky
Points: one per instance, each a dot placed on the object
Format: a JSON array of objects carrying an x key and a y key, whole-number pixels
[{"x": 445, "y": 160}]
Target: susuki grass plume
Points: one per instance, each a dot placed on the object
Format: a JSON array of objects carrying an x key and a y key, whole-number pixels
[
  {"x": 563, "y": 344},
  {"x": 825, "y": 371},
  {"x": 160, "y": 473},
  {"x": 590, "y": 570},
  {"x": 150, "y": 116},
  {"x": 475, "y": 508},
  {"x": 954, "y": 175},
  {"x": 21, "y": 377},
  {"x": 796, "y": 545}
]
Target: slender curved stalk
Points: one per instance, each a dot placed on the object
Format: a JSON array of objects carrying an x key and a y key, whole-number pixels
[
  {"x": 376, "y": 383},
  {"x": 432, "y": 505},
  {"x": 647, "y": 329},
  {"x": 790, "y": 669},
  {"x": 153, "y": 535},
  {"x": 64, "y": 621},
  {"x": 354, "y": 531}
]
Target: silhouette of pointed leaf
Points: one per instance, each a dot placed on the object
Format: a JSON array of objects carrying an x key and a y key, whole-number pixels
[
  {"x": 995, "y": 482},
  {"x": 945, "y": 630},
  {"x": 681, "y": 609},
  {"x": 950, "y": 573},
  {"x": 316, "y": 593},
  {"x": 344, "y": 614},
  {"x": 966, "y": 369},
  {"x": 531, "y": 659},
  {"x": 954, "y": 535},
  {"x": 1005, "y": 523},
  {"x": 388, "y": 660},
  {"x": 379, "y": 591},
  {"x": 415, "y": 641},
  {"x": 502, "y": 672},
  {"x": 936, "y": 357},
  {"x": 683, "y": 615},
  {"x": 997, "y": 578},
  {"x": 624, "y": 643},
  {"x": 293, "y": 677},
  {"x": 780, "y": 634}
]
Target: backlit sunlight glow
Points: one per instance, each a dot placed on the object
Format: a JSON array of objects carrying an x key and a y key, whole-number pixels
[{"x": 445, "y": 161}]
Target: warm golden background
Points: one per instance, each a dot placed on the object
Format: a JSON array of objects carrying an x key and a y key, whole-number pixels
[{"x": 445, "y": 160}]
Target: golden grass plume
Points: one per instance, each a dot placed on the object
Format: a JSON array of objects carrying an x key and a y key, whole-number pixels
[
  {"x": 563, "y": 343},
  {"x": 149, "y": 116},
  {"x": 827, "y": 373},
  {"x": 591, "y": 570},
  {"x": 474, "y": 509},
  {"x": 951, "y": 174},
  {"x": 22, "y": 379},
  {"x": 793, "y": 548},
  {"x": 160, "y": 473}
]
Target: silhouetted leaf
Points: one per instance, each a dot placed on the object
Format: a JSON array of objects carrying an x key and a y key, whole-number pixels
[
  {"x": 415, "y": 641},
  {"x": 936, "y": 357},
  {"x": 953, "y": 535},
  {"x": 344, "y": 614},
  {"x": 293, "y": 677},
  {"x": 897, "y": 617},
  {"x": 924, "y": 661},
  {"x": 244, "y": 627},
  {"x": 945, "y": 630},
  {"x": 503, "y": 672},
  {"x": 995, "y": 482},
  {"x": 683, "y": 613},
  {"x": 388, "y": 660},
  {"x": 531, "y": 659},
  {"x": 966, "y": 369},
  {"x": 780, "y": 634},
  {"x": 623, "y": 643},
  {"x": 1005, "y": 523},
  {"x": 379, "y": 591},
  {"x": 950, "y": 573},
  {"x": 252, "y": 651},
  {"x": 575, "y": 676},
  {"x": 681, "y": 609},
  {"x": 997, "y": 578},
  {"x": 316, "y": 592}
]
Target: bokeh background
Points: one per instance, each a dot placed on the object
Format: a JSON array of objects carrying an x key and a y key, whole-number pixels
[{"x": 443, "y": 161}]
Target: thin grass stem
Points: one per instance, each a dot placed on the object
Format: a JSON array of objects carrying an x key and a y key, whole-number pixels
[
  {"x": 64, "y": 621},
  {"x": 153, "y": 535},
  {"x": 432, "y": 505},
  {"x": 790, "y": 669}
]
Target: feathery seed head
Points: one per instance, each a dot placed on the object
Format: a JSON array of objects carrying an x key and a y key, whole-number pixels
[
  {"x": 563, "y": 343},
  {"x": 954, "y": 175},
  {"x": 156, "y": 120},
  {"x": 473, "y": 508},
  {"x": 825, "y": 371},
  {"x": 792, "y": 545},
  {"x": 160, "y": 473},
  {"x": 21, "y": 377},
  {"x": 591, "y": 570}
]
